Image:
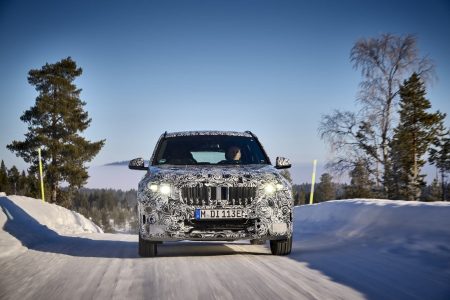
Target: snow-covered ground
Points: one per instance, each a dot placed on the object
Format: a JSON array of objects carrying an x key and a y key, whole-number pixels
[
  {"x": 55, "y": 217},
  {"x": 347, "y": 249},
  {"x": 418, "y": 226},
  {"x": 31, "y": 221}
]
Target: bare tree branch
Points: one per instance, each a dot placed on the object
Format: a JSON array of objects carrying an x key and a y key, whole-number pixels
[{"x": 384, "y": 62}]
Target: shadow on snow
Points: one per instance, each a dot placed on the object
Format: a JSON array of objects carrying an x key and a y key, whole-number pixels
[{"x": 38, "y": 237}]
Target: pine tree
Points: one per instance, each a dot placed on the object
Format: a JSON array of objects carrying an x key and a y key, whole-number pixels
[
  {"x": 392, "y": 175},
  {"x": 33, "y": 186},
  {"x": 440, "y": 155},
  {"x": 412, "y": 137},
  {"x": 4, "y": 183},
  {"x": 23, "y": 184},
  {"x": 13, "y": 178},
  {"x": 360, "y": 183},
  {"x": 55, "y": 123},
  {"x": 435, "y": 191},
  {"x": 326, "y": 189},
  {"x": 106, "y": 225},
  {"x": 300, "y": 197},
  {"x": 301, "y": 193}
]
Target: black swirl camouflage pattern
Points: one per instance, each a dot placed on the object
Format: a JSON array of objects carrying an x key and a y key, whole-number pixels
[{"x": 171, "y": 215}]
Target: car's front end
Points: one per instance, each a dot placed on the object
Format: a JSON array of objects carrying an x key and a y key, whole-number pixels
[
  {"x": 214, "y": 203},
  {"x": 210, "y": 200}
]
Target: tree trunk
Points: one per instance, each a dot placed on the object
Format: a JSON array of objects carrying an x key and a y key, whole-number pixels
[
  {"x": 415, "y": 172},
  {"x": 54, "y": 192},
  {"x": 443, "y": 186},
  {"x": 384, "y": 131},
  {"x": 377, "y": 174}
]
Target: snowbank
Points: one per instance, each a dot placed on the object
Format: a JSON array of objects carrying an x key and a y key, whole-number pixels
[
  {"x": 418, "y": 226},
  {"x": 385, "y": 221},
  {"x": 56, "y": 218},
  {"x": 27, "y": 222}
]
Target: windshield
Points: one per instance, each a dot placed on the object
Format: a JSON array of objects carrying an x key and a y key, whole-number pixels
[{"x": 209, "y": 150}]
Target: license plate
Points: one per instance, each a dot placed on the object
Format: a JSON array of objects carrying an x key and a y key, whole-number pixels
[{"x": 213, "y": 214}]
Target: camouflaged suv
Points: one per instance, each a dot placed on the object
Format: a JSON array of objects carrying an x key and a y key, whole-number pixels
[{"x": 214, "y": 186}]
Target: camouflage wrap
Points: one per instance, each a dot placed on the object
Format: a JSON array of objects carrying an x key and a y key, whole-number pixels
[
  {"x": 166, "y": 214},
  {"x": 170, "y": 215}
]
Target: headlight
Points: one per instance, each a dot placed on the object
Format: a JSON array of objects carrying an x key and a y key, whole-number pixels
[
  {"x": 153, "y": 187},
  {"x": 164, "y": 189},
  {"x": 272, "y": 188}
]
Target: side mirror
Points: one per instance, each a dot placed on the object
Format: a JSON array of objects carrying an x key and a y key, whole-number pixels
[
  {"x": 137, "y": 164},
  {"x": 282, "y": 163}
]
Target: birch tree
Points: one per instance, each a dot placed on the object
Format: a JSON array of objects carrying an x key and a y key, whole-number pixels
[{"x": 384, "y": 62}]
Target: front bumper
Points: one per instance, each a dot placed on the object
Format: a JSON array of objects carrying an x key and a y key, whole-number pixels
[{"x": 172, "y": 220}]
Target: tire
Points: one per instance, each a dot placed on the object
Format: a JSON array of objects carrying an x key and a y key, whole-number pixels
[
  {"x": 257, "y": 242},
  {"x": 147, "y": 248},
  {"x": 281, "y": 247}
]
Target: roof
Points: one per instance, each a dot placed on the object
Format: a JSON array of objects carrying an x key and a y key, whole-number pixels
[{"x": 208, "y": 132}]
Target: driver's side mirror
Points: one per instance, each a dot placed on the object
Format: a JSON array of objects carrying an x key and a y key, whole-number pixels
[
  {"x": 282, "y": 163},
  {"x": 137, "y": 164}
]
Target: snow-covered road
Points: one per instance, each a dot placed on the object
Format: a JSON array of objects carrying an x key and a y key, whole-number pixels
[
  {"x": 331, "y": 259},
  {"x": 182, "y": 271}
]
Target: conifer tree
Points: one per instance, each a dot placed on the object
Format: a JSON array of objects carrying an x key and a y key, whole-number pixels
[
  {"x": 326, "y": 189},
  {"x": 33, "y": 186},
  {"x": 54, "y": 124},
  {"x": 440, "y": 155},
  {"x": 13, "y": 178},
  {"x": 434, "y": 193},
  {"x": 4, "y": 183},
  {"x": 360, "y": 183},
  {"x": 300, "y": 197},
  {"x": 412, "y": 137},
  {"x": 23, "y": 184},
  {"x": 391, "y": 176}
]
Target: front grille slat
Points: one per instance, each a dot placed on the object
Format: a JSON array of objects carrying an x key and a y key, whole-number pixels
[
  {"x": 205, "y": 195},
  {"x": 224, "y": 193},
  {"x": 233, "y": 195}
]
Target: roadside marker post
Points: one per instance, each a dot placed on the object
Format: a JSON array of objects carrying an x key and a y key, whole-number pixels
[
  {"x": 313, "y": 181},
  {"x": 40, "y": 174}
]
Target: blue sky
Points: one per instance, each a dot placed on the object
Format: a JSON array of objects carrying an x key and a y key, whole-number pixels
[{"x": 273, "y": 67}]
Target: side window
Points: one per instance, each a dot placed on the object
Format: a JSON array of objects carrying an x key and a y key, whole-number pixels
[{"x": 160, "y": 159}]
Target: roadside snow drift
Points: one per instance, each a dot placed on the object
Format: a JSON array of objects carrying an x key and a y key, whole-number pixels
[
  {"x": 55, "y": 217},
  {"x": 33, "y": 221},
  {"x": 416, "y": 224}
]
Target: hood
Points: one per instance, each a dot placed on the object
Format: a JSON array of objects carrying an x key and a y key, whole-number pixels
[{"x": 192, "y": 175}]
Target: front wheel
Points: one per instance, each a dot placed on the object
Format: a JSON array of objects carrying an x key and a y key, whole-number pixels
[
  {"x": 147, "y": 248},
  {"x": 281, "y": 247}
]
